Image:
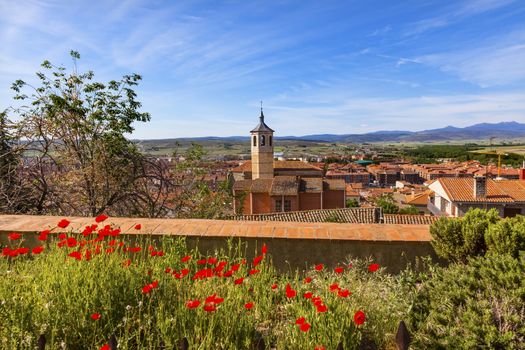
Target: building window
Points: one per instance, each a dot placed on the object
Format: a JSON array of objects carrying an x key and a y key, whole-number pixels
[
  {"x": 270, "y": 140},
  {"x": 255, "y": 140},
  {"x": 278, "y": 205},
  {"x": 263, "y": 140}
]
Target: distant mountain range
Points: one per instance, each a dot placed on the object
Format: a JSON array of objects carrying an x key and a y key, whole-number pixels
[{"x": 483, "y": 131}]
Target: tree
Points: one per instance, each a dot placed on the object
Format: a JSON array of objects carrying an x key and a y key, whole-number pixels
[
  {"x": 12, "y": 191},
  {"x": 195, "y": 197},
  {"x": 387, "y": 203},
  {"x": 410, "y": 210},
  {"x": 75, "y": 128},
  {"x": 352, "y": 203}
]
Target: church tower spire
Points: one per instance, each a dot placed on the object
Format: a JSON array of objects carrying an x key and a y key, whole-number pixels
[{"x": 262, "y": 150}]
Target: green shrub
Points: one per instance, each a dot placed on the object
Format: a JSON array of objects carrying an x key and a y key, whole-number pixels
[
  {"x": 457, "y": 239},
  {"x": 506, "y": 236},
  {"x": 480, "y": 305}
]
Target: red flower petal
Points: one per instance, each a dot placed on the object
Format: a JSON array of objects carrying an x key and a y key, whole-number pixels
[
  {"x": 63, "y": 223},
  {"x": 319, "y": 267},
  {"x": 305, "y": 327},
  {"x": 248, "y": 306},
  {"x": 13, "y": 236},
  {"x": 300, "y": 320},
  {"x": 38, "y": 250},
  {"x": 264, "y": 249},
  {"x": 95, "y": 316},
  {"x": 339, "y": 269},
  {"x": 186, "y": 258},
  {"x": 138, "y": 226},
  {"x": 373, "y": 267},
  {"x": 239, "y": 280},
  {"x": 359, "y": 317},
  {"x": 100, "y": 218}
]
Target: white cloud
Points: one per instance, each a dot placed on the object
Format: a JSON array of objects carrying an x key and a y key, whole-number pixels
[{"x": 497, "y": 62}]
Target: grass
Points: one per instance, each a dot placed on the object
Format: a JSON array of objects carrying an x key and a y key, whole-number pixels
[{"x": 142, "y": 301}]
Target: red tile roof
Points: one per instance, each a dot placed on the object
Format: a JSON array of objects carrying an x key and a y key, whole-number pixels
[
  {"x": 277, "y": 164},
  {"x": 499, "y": 191}
]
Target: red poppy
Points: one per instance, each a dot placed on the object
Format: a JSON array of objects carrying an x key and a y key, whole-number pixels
[
  {"x": 186, "y": 258},
  {"x": 127, "y": 263},
  {"x": 167, "y": 270},
  {"x": 339, "y": 269},
  {"x": 254, "y": 271},
  {"x": 319, "y": 348},
  {"x": 319, "y": 267},
  {"x": 63, "y": 223},
  {"x": 210, "y": 307},
  {"x": 105, "y": 347},
  {"x": 212, "y": 261},
  {"x": 184, "y": 272},
  {"x": 248, "y": 306},
  {"x": 146, "y": 289},
  {"x": 76, "y": 254},
  {"x": 138, "y": 226},
  {"x": 334, "y": 287},
  {"x": 308, "y": 295},
  {"x": 317, "y": 301},
  {"x": 192, "y": 304},
  {"x": 300, "y": 320},
  {"x": 344, "y": 293},
  {"x": 359, "y": 317},
  {"x": 13, "y": 236},
  {"x": 155, "y": 284},
  {"x": 257, "y": 260},
  {"x": 274, "y": 286},
  {"x": 71, "y": 242},
  {"x": 305, "y": 327},
  {"x": 290, "y": 293},
  {"x": 373, "y": 267},
  {"x": 95, "y": 316},
  {"x": 321, "y": 308},
  {"x": 236, "y": 267},
  {"x": 264, "y": 249},
  {"x": 100, "y": 218},
  {"x": 22, "y": 250},
  {"x": 308, "y": 280},
  {"x": 201, "y": 262},
  {"x": 38, "y": 250},
  {"x": 43, "y": 235},
  {"x": 239, "y": 280}
]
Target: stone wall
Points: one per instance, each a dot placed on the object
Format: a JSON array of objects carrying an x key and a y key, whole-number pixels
[{"x": 291, "y": 245}]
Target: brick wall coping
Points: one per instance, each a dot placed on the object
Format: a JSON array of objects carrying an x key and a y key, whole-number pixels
[{"x": 226, "y": 228}]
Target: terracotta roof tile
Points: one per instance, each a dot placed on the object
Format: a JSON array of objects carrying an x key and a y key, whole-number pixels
[
  {"x": 501, "y": 191},
  {"x": 284, "y": 186},
  {"x": 277, "y": 164},
  {"x": 334, "y": 184}
]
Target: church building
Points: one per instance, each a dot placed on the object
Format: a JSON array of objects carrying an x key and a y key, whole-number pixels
[{"x": 264, "y": 185}]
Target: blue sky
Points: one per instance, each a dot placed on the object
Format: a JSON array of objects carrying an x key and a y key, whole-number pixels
[{"x": 319, "y": 66}]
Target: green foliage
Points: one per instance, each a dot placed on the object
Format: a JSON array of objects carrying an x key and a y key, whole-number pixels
[
  {"x": 387, "y": 203},
  {"x": 410, "y": 210},
  {"x": 352, "y": 203},
  {"x": 480, "y": 305},
  {"x": 457, "y": 239},
  {"x": 77, "y": 126},
  {"x": 431, "y": 153},
  {"x": 506, "y": 236},
  {"x": 334, "y": 217}
]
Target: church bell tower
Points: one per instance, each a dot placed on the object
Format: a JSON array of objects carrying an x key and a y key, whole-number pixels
[{"x": 262, "y": 150}]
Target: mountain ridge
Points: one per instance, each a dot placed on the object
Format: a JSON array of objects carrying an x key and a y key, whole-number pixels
[{"x": 480, "y": 131}]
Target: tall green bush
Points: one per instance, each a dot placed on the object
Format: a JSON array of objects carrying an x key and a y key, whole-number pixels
[
  {"x": 480, "y": 305},
  {"x": 506, "y": 236},
  {"x": 459, "y": 238}
]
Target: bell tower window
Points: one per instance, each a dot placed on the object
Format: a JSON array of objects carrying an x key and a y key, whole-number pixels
[
  {"x": 270, "y": 140},
  {"x": 263, "y": 140},
  {"x": 255, "y": 140}
]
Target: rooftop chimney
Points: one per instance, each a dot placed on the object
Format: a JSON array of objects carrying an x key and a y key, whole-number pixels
[
  {"x": 522, "y": 171},
  {"x": 480, "y": 186}
]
